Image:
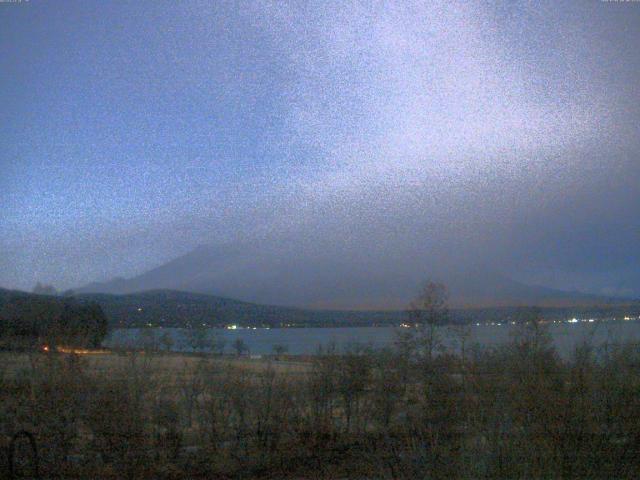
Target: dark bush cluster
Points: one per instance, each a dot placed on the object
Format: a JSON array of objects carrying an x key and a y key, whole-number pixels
[{"x": 28, "y": 320}]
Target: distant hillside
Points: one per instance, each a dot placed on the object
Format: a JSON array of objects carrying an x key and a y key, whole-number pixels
[
  {"x": 182, "y": 309},
  {"x": 484, "y": 289},
  {"x": 245, "y": 272}
]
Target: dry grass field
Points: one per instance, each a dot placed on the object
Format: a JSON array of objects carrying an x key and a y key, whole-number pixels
[
  {"x": 171, "y": 363},
  {"x": 514, "y": 412}
]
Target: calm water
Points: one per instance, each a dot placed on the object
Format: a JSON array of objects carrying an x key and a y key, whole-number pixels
[{"x": 566, "y": 337}]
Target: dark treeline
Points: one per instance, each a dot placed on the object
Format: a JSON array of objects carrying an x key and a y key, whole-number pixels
[
  {"x": 28, "y": 320},
  {"x": 412, "y": 411},
  {"x": 184, "y": 310}
]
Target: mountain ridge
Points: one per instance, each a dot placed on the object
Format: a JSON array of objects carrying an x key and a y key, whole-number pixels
[
  {"x": 170, "y": 308},
  {"x": 237, "y": 272}
]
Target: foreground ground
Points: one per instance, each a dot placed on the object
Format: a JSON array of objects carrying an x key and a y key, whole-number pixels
[{"x": 516, "y": 412}]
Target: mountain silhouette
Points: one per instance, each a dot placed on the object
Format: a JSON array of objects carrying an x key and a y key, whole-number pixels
[{"x": 244, "y": 272}]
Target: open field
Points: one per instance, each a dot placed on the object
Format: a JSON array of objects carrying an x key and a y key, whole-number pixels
[
  {"x": 167, "y": 364},
  {"x": 513, "y": 412}
]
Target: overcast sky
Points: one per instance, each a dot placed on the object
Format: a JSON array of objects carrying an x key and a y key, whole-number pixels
[{"x": 398, "y": 134}]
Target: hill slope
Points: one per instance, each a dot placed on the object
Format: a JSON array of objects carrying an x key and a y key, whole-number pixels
[
  {"x": 182, "y": 309},
  {"x": 242, "y": 272}
]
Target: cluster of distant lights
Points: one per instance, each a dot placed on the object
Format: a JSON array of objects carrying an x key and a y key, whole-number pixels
[
  {"x": 626, "y": 318},
  {"x": 239, "y": 327},
  {"x": 227, "y": 327},
  {"x": 591, "y": 320}
]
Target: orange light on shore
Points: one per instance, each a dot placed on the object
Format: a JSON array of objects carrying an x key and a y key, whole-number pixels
[
  {"x": 80, "y": 351},
  {"x": 76, "y": 351}
]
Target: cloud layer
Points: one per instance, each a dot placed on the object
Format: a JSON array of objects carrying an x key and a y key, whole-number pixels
[{"x": 397, "y": 140}]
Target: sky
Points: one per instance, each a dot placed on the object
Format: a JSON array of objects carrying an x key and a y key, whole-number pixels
[{"x": 407, "y": 136}]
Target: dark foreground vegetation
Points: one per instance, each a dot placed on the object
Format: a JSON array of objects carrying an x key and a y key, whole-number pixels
[
  {"x": 29, "y": 321},
  {"x": 410, "y": 412}
]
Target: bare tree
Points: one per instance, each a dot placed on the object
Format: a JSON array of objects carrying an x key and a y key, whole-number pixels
[
  {"x": 197, "y": 338},
  {"x": 191, "y": 384},
  {"x": 147, "y": 339},
  {"x": 167, "y": 341},
  {"x": 239, "y": 346},
  {"x": 462, "y": 333},
  {"x": 280, "y": 350},
  {"x": 428, "y": 312},
  {"x": 217, "y": 344},
  {"x": 532, "y": 332}
]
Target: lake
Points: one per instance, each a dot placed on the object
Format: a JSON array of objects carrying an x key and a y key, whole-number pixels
[{"x": 566, "y": 336}]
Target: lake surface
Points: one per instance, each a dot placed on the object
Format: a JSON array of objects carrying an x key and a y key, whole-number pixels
[{"x": 297, "y": 341}]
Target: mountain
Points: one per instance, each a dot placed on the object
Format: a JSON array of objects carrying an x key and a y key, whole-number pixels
[
  {"x": 246, "y": 272},
  {"x": 485, "y": 289}
]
